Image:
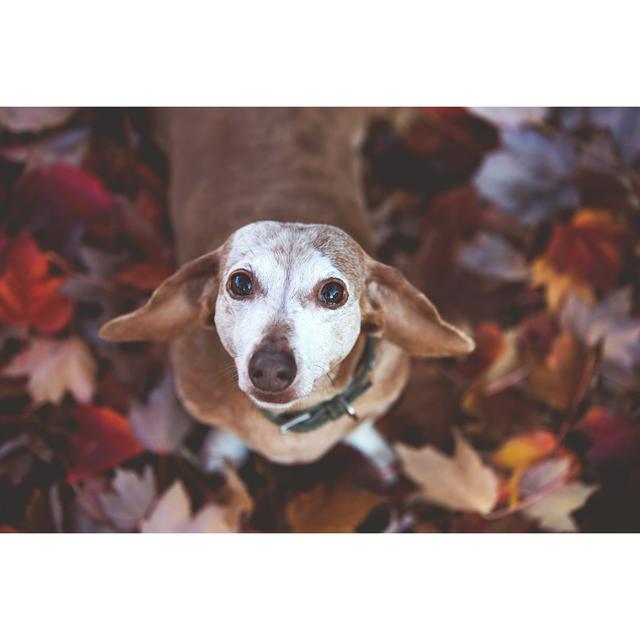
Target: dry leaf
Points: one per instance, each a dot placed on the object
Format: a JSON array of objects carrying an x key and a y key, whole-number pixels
[
  {"x": 522, "y": 451},
  {"x": 490, "y": 256},
  {"x": 324, "y": 510},
  {"x": 55, "y": 367},
  {"x": 510, "y": 116},
  {"x": 555, "y": 379},
  {"x": 21, "y": 119},
  {"x": 610, "y": 324},
  {"x": 553, "y": 511},
  {"x": 172, "y": 512},
  {"x": 130, "y": 499},
  {"x": 161, "y": 424},
  {"x": 462, "y": 482}
]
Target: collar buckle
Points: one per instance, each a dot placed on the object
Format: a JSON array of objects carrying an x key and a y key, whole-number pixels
[{"x": 348, "y": 407}]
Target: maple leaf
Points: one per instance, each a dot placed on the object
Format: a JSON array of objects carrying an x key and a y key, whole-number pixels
[
  {"x": 172, "y": 513},
  {"x": 615, "y": 437},
  {"x": 67, "y": 147},
  {"x": 608, "y": 324},
  {"x": 324, "y": 510},
  {"x": 462, "y": 482},
  {"x": 55, "y": 367},
  {"x": 524, "y": 450},
  {"x": 21, "y": 119},
  {"x": 29, "y": 296},
  {"x": 531, "y": 176},
  {"x": 589, "y": 248},
  {"x": 544, "y": 476},
  {"x": 557, "y": 377},
  {"x": 558, "y": 286},
  {"x": 131, "y": 498},
  {"x": 510, "y": 116},
  {"x": 553, "y": 510},
  {"x": 490, "y": 256},
  {"x": 102, "y": 439},
  {"x": 161, "y": 424}
]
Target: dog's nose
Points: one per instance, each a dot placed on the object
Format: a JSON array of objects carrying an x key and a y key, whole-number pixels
[{"x": 272, "y": 370}]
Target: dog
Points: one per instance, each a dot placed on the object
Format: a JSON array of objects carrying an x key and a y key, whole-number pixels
[{"x": 277, "y": 283}]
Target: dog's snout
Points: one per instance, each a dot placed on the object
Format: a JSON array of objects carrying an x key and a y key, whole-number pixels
[{"x": 271, "y": 370}]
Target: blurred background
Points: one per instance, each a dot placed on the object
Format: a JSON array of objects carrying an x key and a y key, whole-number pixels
[{"x": 522, "y": 225}]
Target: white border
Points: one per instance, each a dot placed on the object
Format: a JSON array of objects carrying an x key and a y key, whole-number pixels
[{"x": 319, "y": 586}]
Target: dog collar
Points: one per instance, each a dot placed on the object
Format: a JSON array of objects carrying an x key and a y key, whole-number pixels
[{"x": 338, "y": 406}]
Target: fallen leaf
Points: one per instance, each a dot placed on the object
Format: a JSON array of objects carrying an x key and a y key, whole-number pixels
[
  {"x": 510, "y": 116},
  {"x": 162, "y": 423},
  {"x": 546, "y": 475},
  {"x": 522, "y": 451},
  {"x": 558, "y": 286},
  {"x": 530, "y": 176},
  {"x": 102, "y": 439},
  {"x": 29, "y": 296},
  {"x": 490, "y": 256},
  {"x": 589, "y": 248},
  {"x": 34, "y": 119},
  {"x": 325, "y": 510},
  {"x": 553, "y": 510},
  {"x": 462, "y": 482},
  {"x": 131, "y": 498},
  {"x": 610, "y": 325},
  {"x": 555, "y": 378},
  {"x": 615, "y": 438},
  {"x": 55, "y": 367},
  {"x": 68, "y": 147},
  {"x": 172, "y": 514}
]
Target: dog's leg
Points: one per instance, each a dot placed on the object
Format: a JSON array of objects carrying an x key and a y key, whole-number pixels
[
  {"x": 220, "y": 445},
  {"x": 367, "y": 440}
]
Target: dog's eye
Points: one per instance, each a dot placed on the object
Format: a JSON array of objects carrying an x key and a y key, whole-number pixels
[
  {"x": 240, "y": 284},
  {"x": 333, "y": 294}
]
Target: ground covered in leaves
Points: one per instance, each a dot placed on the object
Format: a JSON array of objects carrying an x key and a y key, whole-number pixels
[{"x": 522, "y": 226}]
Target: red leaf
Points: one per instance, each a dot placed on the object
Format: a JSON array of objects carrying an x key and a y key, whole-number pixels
[
  {"x": 102, "y": 440},
  {"x": 590, "y": 248},
  {"x": 490, "y": 344},
  {"x": 616, "y": 439},
  {"x": 58, "y": 201},
  {"x": 64, "y": 191},
  {"x": 29, "y": 296}
]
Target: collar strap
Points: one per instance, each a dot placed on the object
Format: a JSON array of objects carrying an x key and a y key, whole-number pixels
[{"x": 340, "y": 405}]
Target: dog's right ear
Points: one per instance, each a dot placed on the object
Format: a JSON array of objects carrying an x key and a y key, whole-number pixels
[{"x": 177, "y": 305}]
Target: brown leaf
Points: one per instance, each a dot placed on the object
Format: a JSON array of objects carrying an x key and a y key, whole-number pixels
[
  {"x": 324, "y": 510},
  {"x": 462, "y": 482},
  {"x": 555, "y": 379}
]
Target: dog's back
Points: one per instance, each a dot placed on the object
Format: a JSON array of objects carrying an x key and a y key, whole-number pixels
[{"x": 232, "y": 166}]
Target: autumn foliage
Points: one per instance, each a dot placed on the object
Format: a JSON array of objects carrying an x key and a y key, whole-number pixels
[{"x": 522, "y": 226}]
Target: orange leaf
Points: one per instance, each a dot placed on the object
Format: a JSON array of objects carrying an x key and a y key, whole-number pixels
[
  {"x": 520, "y": 452},
  {"x": 330, "y": 511},
  {"x": 29, "y": 296},
  {"x": 589, "y": 248},
  {"x": 101, "y": 440}
]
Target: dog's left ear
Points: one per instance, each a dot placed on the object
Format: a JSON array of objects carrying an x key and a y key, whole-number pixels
[
  {"x": 177, "y": 305},
  {"x": 403, "y": 315}
]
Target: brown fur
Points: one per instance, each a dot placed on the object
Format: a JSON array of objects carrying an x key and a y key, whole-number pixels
[{"x": 230, "y": 167}]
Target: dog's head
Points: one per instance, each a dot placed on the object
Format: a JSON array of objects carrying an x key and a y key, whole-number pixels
[{"x": 288, "y": 302}]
